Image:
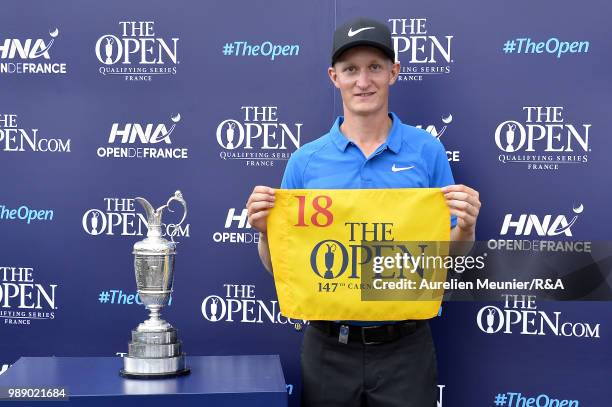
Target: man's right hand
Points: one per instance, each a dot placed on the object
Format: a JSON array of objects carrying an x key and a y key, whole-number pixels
[{"x": 258, "y": 207}]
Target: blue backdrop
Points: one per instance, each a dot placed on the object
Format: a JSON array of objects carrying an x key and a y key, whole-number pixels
[{"x": 105, "y": 101}]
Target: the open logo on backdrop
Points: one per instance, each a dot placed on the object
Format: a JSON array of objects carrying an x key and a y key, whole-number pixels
[
  {"x": 421, "y": 53},
  {"x": 544, "y": 141},
  {"x": 520, "y": 315},
  {"x": 118, "y": 216},
  {"x": 258, "y": 138},
  {"x": 16, "y": 138},
  {"x": 137, "y": 53},
  {"x": 23, "y": 299},
  {"x": 238, "y": 304}
]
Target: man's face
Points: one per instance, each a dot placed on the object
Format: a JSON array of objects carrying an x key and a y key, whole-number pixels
[{"x": 363, "y": 74}]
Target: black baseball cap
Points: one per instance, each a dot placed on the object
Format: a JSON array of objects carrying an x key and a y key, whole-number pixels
[{"x": 362, "y": 31}]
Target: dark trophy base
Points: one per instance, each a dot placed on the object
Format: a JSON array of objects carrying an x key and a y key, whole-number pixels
[
  {"x": 147, "y": 376},
  {"x": 154, "y": 355}
]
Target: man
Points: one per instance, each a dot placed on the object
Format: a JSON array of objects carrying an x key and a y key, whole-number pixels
[{"x": 389, "y": 363}]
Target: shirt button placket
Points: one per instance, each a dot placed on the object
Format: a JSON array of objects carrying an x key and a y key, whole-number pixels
[{"x": 366, "y": 181}]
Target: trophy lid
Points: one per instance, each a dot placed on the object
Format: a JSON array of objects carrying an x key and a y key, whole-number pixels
[{"x": 155, "y": 244}]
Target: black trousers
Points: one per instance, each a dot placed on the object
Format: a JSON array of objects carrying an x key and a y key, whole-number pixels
[{"x": 399, "y": 373}]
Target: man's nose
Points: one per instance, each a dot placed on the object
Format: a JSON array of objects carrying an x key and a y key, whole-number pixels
[{"x": 363, "y": 80}]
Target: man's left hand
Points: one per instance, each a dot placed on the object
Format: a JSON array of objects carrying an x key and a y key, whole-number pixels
[{"x": 464, "y": 203}]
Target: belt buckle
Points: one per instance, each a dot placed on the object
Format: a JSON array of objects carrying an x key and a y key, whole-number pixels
[{"x": 363, "y": 336}]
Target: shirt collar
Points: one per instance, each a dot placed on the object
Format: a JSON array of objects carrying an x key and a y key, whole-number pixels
[{"x": 393, "y": 142}]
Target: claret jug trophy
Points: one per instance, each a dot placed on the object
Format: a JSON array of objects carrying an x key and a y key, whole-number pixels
[{"x": 155, "y": 351}]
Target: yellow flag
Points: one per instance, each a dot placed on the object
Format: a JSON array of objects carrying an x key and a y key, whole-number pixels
[{"x": 359, "y": 254}]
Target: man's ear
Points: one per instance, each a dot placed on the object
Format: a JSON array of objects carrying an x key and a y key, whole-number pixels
[
  {"x": 333, "y": 76},
  {"x": 395, "y": 70}
]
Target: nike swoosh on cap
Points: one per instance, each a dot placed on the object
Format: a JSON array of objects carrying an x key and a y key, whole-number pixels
[
  {"x": 352, "y": 33},
  {"x": 398, "y": 169}
]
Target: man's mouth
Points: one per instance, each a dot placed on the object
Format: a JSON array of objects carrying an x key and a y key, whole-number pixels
[{"x": 365, "y": 94}]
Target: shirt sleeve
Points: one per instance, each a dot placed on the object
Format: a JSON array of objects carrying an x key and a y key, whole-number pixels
[
  {"x": 440, "y": 174},
  {"x": 293, "y": 176}
]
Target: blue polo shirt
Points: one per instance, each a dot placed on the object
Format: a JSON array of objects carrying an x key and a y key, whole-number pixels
[{"x": 409, "y": 158}]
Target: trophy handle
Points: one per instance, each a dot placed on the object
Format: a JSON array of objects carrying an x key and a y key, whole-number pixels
[{"x": 178, "y": 196}]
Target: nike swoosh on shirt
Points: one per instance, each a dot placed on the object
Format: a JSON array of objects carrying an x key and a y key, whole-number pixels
[
  {"x": 398, "y": 169},
  {"x": 352, "y": 33}
]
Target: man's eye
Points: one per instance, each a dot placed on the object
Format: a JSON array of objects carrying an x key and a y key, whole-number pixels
[
  {"x": 375, "y": 67},
  {"x": 350, "y": 69}
]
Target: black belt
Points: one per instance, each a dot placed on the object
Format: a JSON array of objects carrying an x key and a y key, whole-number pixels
[{"x": 368, "y": 335}]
